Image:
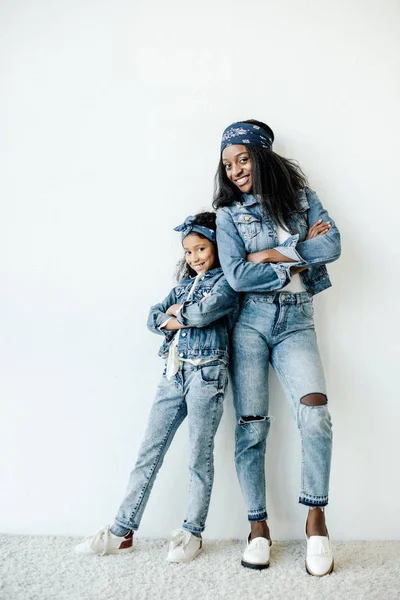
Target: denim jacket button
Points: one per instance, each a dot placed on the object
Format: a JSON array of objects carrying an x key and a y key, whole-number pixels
[
  {"x": 183, "y": 334},
  {"x": 247, "y": 218},
  {"x": 181, "y": 354},
  {"x": 238, "y": 204}
]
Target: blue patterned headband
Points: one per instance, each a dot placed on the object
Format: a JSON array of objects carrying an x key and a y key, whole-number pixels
[
  {"x": 247, "y": 134},
  {"x": 187, "y": 227}
]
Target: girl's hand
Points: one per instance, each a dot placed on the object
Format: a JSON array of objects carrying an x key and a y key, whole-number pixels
[
  {"x": 173, "y": 309},
  {"x": 205, "y": 297},
  {"x": 319, "y": 228}
]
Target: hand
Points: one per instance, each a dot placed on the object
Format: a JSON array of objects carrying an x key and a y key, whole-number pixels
[
  {"x": 319, "y": 228},
  {"x": 296, "y": 270},
  {"x": 205, "y": 297},
  {"x": 258, "y": 257},
  {"x": 173, "y": 309}
]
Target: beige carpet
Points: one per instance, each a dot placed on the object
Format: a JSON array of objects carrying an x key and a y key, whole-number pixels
[{"x": 44, "y": 568}]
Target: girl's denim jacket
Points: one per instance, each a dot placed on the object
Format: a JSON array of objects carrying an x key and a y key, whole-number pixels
[
  {"x": 208, "y": 322},
  {"x": 243, "y": 228}
]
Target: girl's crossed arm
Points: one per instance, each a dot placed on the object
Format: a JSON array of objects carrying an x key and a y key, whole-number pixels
[
  {"x": 221, "y": 301},
  {"x": 160, "y": 321}
]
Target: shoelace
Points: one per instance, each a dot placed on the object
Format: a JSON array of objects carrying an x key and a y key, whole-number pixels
[
  {"x": 178, "y": 538},
  {"x": 103, "y": 532}
]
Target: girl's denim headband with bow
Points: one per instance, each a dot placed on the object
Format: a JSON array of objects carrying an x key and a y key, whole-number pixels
[
  {"x": 188, "y": 227},
  {"x": 246, "y": 134}
]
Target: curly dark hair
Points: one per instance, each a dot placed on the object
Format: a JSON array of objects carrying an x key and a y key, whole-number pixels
[
  {"x": 205, "y": 219},
  {"x": 276, "y": 180}
]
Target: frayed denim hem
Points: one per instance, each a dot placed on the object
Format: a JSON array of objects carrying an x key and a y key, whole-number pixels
[
  {"x": 260, "y": 516},
  {"x": 314, "y": 501}
]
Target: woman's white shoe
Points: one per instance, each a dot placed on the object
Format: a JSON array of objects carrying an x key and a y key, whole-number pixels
[
  {"x": 319, "y": 560},
  {"x": 256, "y": 555},
  {"x": 183, "y": 547}
]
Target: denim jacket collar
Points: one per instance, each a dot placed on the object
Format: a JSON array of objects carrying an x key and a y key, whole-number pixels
[
  {"x": 250, "y": 200},
  {"x": 210, "y": 273}
]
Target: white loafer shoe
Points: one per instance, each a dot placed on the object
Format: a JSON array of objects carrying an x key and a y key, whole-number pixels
[
  {"x": 256, "y": 555},
  {"x": 319, "y": 560},
  {"x": 184, "y": 546}
]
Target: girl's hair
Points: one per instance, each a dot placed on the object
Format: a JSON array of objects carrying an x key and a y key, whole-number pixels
[
  {"x": 276, "y": 181},
  {"x": 206, "y": 219}
]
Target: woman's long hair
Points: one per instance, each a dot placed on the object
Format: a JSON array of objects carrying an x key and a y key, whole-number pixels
[
  {"x": 276, "y": 182},
  {"x": 205, "y": 219}
]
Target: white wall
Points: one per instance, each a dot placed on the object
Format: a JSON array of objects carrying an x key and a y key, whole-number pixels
[{"x": 111, "y": 115}]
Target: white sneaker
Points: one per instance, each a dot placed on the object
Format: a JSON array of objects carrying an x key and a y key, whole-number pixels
[
  {"x": 319, "y": 559},
  {"x": 105, "y": 542},
  {"x": 256, "y": 555},
  {"x": 183, "y": 547}
]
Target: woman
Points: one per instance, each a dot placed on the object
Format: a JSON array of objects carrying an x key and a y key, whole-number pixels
[{"x": 274, "y": 239}]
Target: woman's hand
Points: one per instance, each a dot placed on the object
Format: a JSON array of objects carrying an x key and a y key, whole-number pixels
[
  {"x": 296, "y": 270},
  {"x": 173, "y": 309},
  {"x": 319, "y": 228},
  {"x": 267, "y": 256}
]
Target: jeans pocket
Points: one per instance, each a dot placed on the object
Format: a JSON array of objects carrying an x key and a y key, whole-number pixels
[
  {"x": 307, "y": 308},
  {"x": 213, "y": 374}
]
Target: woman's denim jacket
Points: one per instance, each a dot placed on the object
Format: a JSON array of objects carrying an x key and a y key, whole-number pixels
[
  {"x": 208, "y": 321},
  {"x": 243, "y": 228}
]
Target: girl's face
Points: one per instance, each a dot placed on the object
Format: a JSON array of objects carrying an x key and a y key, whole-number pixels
[
  {"x": 199, "y": 252},
  {"x": 238, "y": 168}
]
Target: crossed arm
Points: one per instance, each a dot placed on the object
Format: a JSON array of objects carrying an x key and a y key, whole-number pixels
[
  {"x": 171, "y": 316},
  {"x": 274, "y": 256}
]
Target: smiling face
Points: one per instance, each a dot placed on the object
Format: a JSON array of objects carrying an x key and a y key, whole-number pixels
[
  {"x": 199, "y": 252},
  {"x": 238, "y": 168}
]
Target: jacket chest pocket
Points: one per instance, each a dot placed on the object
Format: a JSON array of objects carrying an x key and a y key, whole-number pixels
[
  {"x": 179, "y": 292},
  {"x": 248, "y": 225},
  {"x": 299, "y": 224},
  {"x": 201, "y": 292}
]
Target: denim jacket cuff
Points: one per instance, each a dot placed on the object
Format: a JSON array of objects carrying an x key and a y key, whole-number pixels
[
  {"x": 282, "y": 271},
  {"x": 163, "y": 324},
  {"x": 288, "y": 249}
]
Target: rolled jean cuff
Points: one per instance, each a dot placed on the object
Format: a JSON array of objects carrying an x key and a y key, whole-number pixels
[
  {"x": 126, "y": 524},
  {"x": 257, "y": 515},
  {"x": 313, "y": 500},
  {"x": 192, "y": 529}
]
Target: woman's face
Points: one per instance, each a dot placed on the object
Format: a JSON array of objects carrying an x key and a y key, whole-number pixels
[
  {"x": 237, "y": 162},
  {"x": 199, "y": 253}
]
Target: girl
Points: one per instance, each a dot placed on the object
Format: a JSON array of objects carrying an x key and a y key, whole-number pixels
[
  {"x": 195, "y": 319},
  {"x": 274, "y": 239}
]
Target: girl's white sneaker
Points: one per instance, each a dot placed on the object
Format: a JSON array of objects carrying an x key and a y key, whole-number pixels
[
  {"x": 319, "y": 559},
  {"x": 183, "y": 547},
  {"x": 104, "y": 542}
]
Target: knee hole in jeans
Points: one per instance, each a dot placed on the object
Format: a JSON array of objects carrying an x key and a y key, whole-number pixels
[
  {"x": 244, "y": 420},
  {"x": 316, "y": 399}
]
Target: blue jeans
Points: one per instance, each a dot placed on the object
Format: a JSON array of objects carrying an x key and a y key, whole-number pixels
[
  {"x": 278, "y": 328},
  {"x": 196, "y": 392}
]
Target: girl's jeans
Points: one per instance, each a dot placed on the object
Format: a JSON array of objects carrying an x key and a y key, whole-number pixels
[
  {"x": 279, "y": 328},
  {"x": 196, "y": 392}
]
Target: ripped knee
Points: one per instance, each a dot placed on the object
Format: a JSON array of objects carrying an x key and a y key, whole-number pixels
[
  {"x": 316, "y": 399},
  {"x": 251, "y": 419}
]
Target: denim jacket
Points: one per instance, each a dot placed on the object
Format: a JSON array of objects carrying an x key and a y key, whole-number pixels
[
  {"x": 243, "y": 228},
  {"x": 208, "y": 322}
]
